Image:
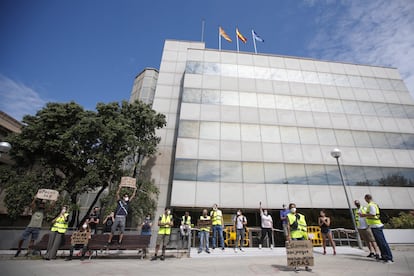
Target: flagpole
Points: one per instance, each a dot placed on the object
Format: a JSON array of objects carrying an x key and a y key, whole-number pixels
[
  {"x": 254, "y": 42},
  {"x": 237, "y": 41},
  {"x": 219, "y": 40}
]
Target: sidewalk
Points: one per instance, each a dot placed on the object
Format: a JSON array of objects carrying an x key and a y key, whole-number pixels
[{"x": 348, "y": 261}]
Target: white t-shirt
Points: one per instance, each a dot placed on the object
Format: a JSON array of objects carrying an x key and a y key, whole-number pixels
[
  {"x": 362, "y": 220},
  {"x": 239, "y": 221},
  {"x": 267, "y": 221}
]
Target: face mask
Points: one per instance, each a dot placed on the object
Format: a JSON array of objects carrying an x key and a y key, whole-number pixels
[
  {"x": 238, "y": 213},
  {"x": 293, "y": 210},
  {"x": 84, "y": 226},
  {"x": 265, "y": 213},
  {"x": 168, "y": 212},
  {"x": 215, "y": 208},
  {"x": 147, "y": 217},
  {"x": 126, "y": 198}
]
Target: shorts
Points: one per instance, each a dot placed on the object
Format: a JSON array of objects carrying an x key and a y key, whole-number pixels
[
  {"x": 119, "y": 223},
  {"x": 366, "y": 235},
  {"x": 34, "y": 231},
  {"x": 163, "y": 238},
  {"x": 325, "y": 230}
]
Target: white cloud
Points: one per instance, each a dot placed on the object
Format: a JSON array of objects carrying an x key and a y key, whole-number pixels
[
  {"x": 17, "y": 100},
  {"x": 375, "y": 32}
]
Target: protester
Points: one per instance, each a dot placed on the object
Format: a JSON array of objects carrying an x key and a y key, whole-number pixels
[
  {"x": 297, "y": 228},
  {"x": 121, "y": 214},
  {"x": 32, "y": 230},
  {"x": 165, "y": 222},
  {"x": 108, "y": 222},
  {"x": 57, "y": 233},
  {"x": 204, "y": 232},
  {"x": 365, "y": 232},
  {"x": 185, "y": 226},
  {"x": 85, "y": 228},
  {"x": 325, "y": 223},
  {"x": 267, "y": 227},
  {"x": 93, "y": 219},
  {"x": 146, "y": 226},
  {"x": 240, "y": 222},
  {"x": 283, "y": 218},
  {"x": 373, "y": 220},
  {"x": 218, "y": 223}
]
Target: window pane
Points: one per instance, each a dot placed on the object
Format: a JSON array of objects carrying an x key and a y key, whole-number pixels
[
  {"x": 210, "y": 97},
  {"x": 185, "y": 169},
  {"x": 408, "y": 141},
  {"x": 295, "y": 174},
  {"x": 229, "y": 98},
  {"x": 361, "y": 139},
  {"x": 270, "y": 134},
  {"x": 253, "y": 172},
  {"x": 326, "y": 137},
  {"x": 366, "y": 108},
  {"x": 230, "y": 131},
  {"x": 333, "y": 175},
  {"x": 208, "y": 171},
  {"x": 189, "y": 129},
  {"x": 344, "y": 138},
  {"x": 308, "y": 136},
  {"x": 209, "y": 130},
  {"x": 289, "y": 135},
  {"x": 397, "y": 110},
  {"x": 373, "y": 175},
  {"x": 250, "y": 133},
  {"x": 274, "y": 173},
  {"x": 231, "y": 172},
  {"x": 316, "y": 174},
  {"x": 408, "y": 174},
  {"x": 351, "y": 107},
  {"x": 191, "y": 95},
  {"x": 395, "y": 140},
  {"x": 378, "y": 140},
  {"x": 354, "y": 175}
]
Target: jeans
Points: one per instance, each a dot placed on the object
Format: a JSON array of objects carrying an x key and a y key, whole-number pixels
[
  {"x": 239, "y": 234},
  {"x": 204, "y": 238},
  {"x": 382, "y": 243},
  {"x": 219, "y": 229},
  {"x": 266, "y": 232}
]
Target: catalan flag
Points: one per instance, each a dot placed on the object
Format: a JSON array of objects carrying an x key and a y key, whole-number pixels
[
  {"x": 240, "y": 36},
  {"x": 224, "y": 35}
]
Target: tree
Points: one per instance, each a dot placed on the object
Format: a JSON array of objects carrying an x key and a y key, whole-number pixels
[
  {"x": 403, "y": 221},
  {"x": 74, "y": 151}
]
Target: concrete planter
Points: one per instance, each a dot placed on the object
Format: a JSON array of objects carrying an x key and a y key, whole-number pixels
[{"x": 402, "y": 236}]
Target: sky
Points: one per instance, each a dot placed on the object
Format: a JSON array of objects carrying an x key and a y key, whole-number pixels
[{"x": 90, "y": 51}]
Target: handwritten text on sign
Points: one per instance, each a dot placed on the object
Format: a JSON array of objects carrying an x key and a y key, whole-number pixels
[
  {"x": 299, "y": 253},
  {"x": 129, "y": 182},
  {"x": 79, "y": 238},
  {"x": 47, "y": 194}
]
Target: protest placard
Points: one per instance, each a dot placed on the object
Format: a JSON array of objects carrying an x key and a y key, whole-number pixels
[
  {"x": 203, "y": 223},
  {"x": 128, "y": 182},
  {"x": 299, "y": 253},
  {"x": 47, "y": 194},
  {"x": 79, "y": 238}
]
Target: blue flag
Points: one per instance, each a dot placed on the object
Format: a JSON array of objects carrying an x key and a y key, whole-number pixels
[{"x": 257, "y": 37}]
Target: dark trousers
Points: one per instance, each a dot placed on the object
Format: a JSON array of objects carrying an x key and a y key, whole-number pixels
[
  {"x": 382, "y": 243},
  {"x": 55, "y": 238},
  {"x": 266, "y": 232}
]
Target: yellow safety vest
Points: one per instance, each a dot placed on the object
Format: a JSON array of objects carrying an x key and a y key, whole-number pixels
[
  {"x": 166, "y": 229},
  {"x": 61, "y": 224},
  {"x": 217, "y": 217},
  {"x": 373, "y": 220},
  {"x": 186, "y": 221},
  {"x": 356, "y": 215},
  {"x": 207, "y": 228},
  {"x": 301, "y": 230}
]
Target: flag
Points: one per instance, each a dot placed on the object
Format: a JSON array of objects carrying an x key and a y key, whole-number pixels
[
  {"x": 257, "y": 37},
  {"x": 240, "y": 36},
  {"x": 224, "y": 35}
]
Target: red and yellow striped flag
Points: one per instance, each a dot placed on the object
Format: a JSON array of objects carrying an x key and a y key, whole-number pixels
[
  {"x": 224, "y": 35},
  {"x": 240, "y": 36}
]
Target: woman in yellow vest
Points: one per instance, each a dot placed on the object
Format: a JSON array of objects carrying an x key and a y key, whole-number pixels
[
  {"x": 204, "y": 232},
  {"x": 296, "y": 225},
  {"x": 165, "y": 222},
  {"x": 57, "y": 233}
]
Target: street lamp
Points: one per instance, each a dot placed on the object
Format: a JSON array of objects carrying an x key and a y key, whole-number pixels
[
  {"x": 336, "y": 153},
  {"x": 5, "y": 147}
]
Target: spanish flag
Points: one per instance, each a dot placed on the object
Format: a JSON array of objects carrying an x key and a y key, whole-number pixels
[
  {"x": 224, "y": 35},
  {"x": 240, "y": 36}
]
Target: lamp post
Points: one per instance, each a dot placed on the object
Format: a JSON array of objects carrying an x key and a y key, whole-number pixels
[
  {"x": 336, "y": 153},
  {"x": 5, "y": 147}
]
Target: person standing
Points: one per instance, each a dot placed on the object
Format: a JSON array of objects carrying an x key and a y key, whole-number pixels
[
  {"x": 283, "y": 218},
  {"x": 325, "y": 223},
  {"x": 373, "y": 220},
  {"x": 108, "y": 221},
  {"x": 93, "y": 219},
  {"x": 185, "y": 226},
  {"x": 146, "y": 226},
  {"x": 204, "y": 232},
  {"x": 165, "y": 222},
  {"x": 297, "y": 228},
  {"x": 364, "y": 231},
  {"x": 240, "y": 222},
  {"x": 84, "y": 246},
  {"x": 267, "y": 227},
  {"x": 218, "y": 223},
  {"x": 57, "y": 233},
  {"x": 121, "y": 214}
]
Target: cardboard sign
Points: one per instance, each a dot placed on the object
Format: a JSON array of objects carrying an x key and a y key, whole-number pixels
[
  {"x": 299, "y": 253},
  {"x": 128, "y": 182},
  {"x": 79, "y": 238},
  {"x": 47, "y": 194},
  {"x": 203, "y": 223}
]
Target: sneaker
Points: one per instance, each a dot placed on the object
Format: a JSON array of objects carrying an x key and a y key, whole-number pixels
[
  {"x": 208, "y": 251},
  {"x": 260, "y": 246},
  {"x": 377, "y": 257},
  {"x": 222, "y": 248},
  {"x": 235, "y": 250},
  {"x": 241, "y": 249},
  {"x": 371, "y": 255},
  {"x": 68, "y": 259},
  {"x": 307, "y": 268},
  {"x": 82, "y": 258},
  {"x": 296, "y": 269},
  {"x": 199, "y": 251},
  {"x": 17, "y": 253},
  {"x": 154, "y": 258},
  {"x": 162, "y": 258},
  {"x": 271, "y": 246},
  {"x": 389, "y": 262}
]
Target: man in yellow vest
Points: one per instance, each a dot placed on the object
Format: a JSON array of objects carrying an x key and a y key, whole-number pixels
[
  {"x": 204, "y": 233},
  {"x": 373, "y": 220},
  {"x": 297, "y": 228},
  {"x": 165, "y": 222},
  {"x": 218, "y": 223},
  {"x": 185, "y": 226},
  {"x": 364, "y": 230},
  {"x": 57, "y": 233}
]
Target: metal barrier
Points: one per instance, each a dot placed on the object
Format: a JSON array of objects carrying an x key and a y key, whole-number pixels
[
  {"x": 344, "y": 236},
  {"x": 315, "y": 235}
]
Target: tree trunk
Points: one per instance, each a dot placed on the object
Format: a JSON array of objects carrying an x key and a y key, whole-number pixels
[
  {"x": 94, "y": 202},
  {"x": 75, "y": 213}
]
